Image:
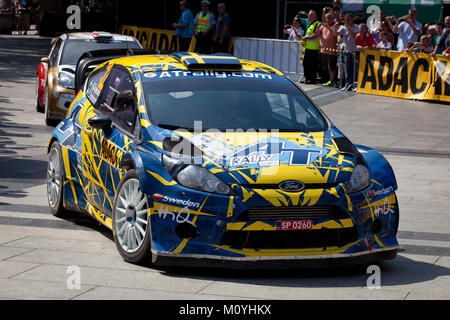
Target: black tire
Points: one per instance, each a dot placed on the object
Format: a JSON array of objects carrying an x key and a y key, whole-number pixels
[
  {"x": 142, "y": 253},
  {"x": 397, "y": 215},
  {"x": 55, "y": 174}
]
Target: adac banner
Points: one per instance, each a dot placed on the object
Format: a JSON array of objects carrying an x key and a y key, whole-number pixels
[
  {"x": 152, "y": 38},
  {"x": 404, "y": 75}
]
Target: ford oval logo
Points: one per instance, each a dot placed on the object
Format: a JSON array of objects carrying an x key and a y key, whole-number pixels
[{"x": 292, "y": 186}]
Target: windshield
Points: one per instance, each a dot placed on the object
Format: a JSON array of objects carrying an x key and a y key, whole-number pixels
[
  {"x": 228, "y": 101},
  {"x": 74, "y": 48}
]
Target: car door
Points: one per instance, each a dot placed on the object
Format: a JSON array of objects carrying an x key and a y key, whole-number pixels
[{"x": 104, "y": 149}]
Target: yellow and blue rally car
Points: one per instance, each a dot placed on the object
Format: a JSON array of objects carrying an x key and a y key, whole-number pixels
[{"x": 208, "y": 160}]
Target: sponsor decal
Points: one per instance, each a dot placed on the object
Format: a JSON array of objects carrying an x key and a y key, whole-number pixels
[
  {"x": 292, "y": 186},
  {"x": 375, "y": 193},
  {"x": 404, "y": 75},
  {"x": 272, "y": 153},
  {"x": 209, "y": 145},
  {"x": 149, "y": 75},
  {"x": 157, "y": 196},
  {"x": 111, "y": 153},
  {"x": 181, "y": 216},
  {"x": 186, "y": 203},
  {"x": 260, "y": 159},
  {"x": 206, "y": 73},
  {"x": 152, "y": 38},
  {"x": 384, "y": 209}
]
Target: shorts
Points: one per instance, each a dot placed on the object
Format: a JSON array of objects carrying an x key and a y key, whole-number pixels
[{"x": 328, "y": 61}]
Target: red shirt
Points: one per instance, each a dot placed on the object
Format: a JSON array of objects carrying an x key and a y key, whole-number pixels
[{"x": 365, "y": 40}]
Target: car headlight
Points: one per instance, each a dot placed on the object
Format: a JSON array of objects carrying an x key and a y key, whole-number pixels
[
  {"x": 359, "y": 180},
  {"x": 66, "y": 80},
  {"x": 195, "y": 177}
]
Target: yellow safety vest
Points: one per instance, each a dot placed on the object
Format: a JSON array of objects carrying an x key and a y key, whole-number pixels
[
  {"x": 203, "y": 23},
  {"x": 312, "y": 44}
]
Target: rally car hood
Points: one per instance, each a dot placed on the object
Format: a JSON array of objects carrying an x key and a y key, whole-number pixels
[{"x": 268, "y": 158}]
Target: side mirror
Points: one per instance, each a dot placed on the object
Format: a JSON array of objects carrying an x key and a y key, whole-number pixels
[
  {"x": 101, "y": 122},
  {"x": 45, "y": 60}
]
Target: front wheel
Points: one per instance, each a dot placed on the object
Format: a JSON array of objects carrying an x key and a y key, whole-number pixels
[
  {"x": 131, "y": 228},
  {"x": 48, "y": 121},
  {"x": 55, "y": 181}
]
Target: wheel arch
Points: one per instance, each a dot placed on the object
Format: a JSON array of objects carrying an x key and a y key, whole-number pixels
[
  {"x": 379, "y": 167},
  {"x": 50, "y": 143}
]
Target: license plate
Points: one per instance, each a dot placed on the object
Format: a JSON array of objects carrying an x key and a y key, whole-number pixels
[{"x": 295, "y": 225}]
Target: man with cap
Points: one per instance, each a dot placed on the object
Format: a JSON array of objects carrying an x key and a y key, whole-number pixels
[
  {"x": 204, "y": 24},
  {"x": 295, "y": 31}
]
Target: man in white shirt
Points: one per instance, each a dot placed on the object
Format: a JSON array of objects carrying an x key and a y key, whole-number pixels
[
  {"x": 348, "y": 31},
  {"x": 295, "y": 31},
  {"x": 408, "y": 29}
]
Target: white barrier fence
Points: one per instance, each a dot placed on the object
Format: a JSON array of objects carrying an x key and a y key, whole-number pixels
[{"x": 283, "y": 55}]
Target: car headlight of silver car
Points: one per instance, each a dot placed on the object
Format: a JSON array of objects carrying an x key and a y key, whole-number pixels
[
  {"x": 195, "y": 176},
  {"x": 359, "y": 180},
  {"x": 66, "y": 80}
]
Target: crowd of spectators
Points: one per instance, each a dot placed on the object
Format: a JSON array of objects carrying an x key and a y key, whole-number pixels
[
  {"x": 25, "y": 13},
  {"x": 332, "y": 45},
  {"x": 203, "y": 26}
]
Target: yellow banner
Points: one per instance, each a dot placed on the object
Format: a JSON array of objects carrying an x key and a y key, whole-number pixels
[
  {"x": 151, "y": 38},
  {"x": 404, "y": 75}
]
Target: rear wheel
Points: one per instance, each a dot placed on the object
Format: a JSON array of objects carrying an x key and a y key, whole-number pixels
[
  {"x": 39, "y": 108},
  {"x": 131, "y": 228},
  {"x": 55, "y": 181}
]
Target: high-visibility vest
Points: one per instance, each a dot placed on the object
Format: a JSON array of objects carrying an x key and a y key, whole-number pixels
[
  {"x": 203, "y": 22},
  {"x": 312, "y": 44}
]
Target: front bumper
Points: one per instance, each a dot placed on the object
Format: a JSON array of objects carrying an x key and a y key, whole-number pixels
[
  {"x": 276, "y": 262},
  {"x": 366, "y": 232}
]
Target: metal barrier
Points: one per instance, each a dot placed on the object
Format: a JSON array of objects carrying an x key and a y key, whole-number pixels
[{"x": 283, "y": 55}]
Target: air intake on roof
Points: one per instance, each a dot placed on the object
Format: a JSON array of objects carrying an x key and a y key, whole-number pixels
[{"x": 222, "y": 61}]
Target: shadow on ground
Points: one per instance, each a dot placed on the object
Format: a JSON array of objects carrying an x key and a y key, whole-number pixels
[{"x": 397, "y": 272}]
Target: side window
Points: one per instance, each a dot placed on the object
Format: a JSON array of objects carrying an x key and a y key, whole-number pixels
[
  {"x": 55, "y": 51},
  {"x": 92, "y": 89},
  {"x": 119, "y": 99}
]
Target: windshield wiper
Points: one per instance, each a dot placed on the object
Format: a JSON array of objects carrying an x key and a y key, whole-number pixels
[{"x": 173, "y": 127}]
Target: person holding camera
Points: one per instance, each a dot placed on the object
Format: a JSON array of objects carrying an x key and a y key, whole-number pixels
[
  {"x": 444, "y": 40},
  {"x": 408, "y": 29},
  {"x": 294, "y": 31}
]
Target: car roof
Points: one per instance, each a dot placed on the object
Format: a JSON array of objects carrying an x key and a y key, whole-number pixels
[
  {"x": 92, "y": 36},
  {"x": 180, "y": 61}
]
